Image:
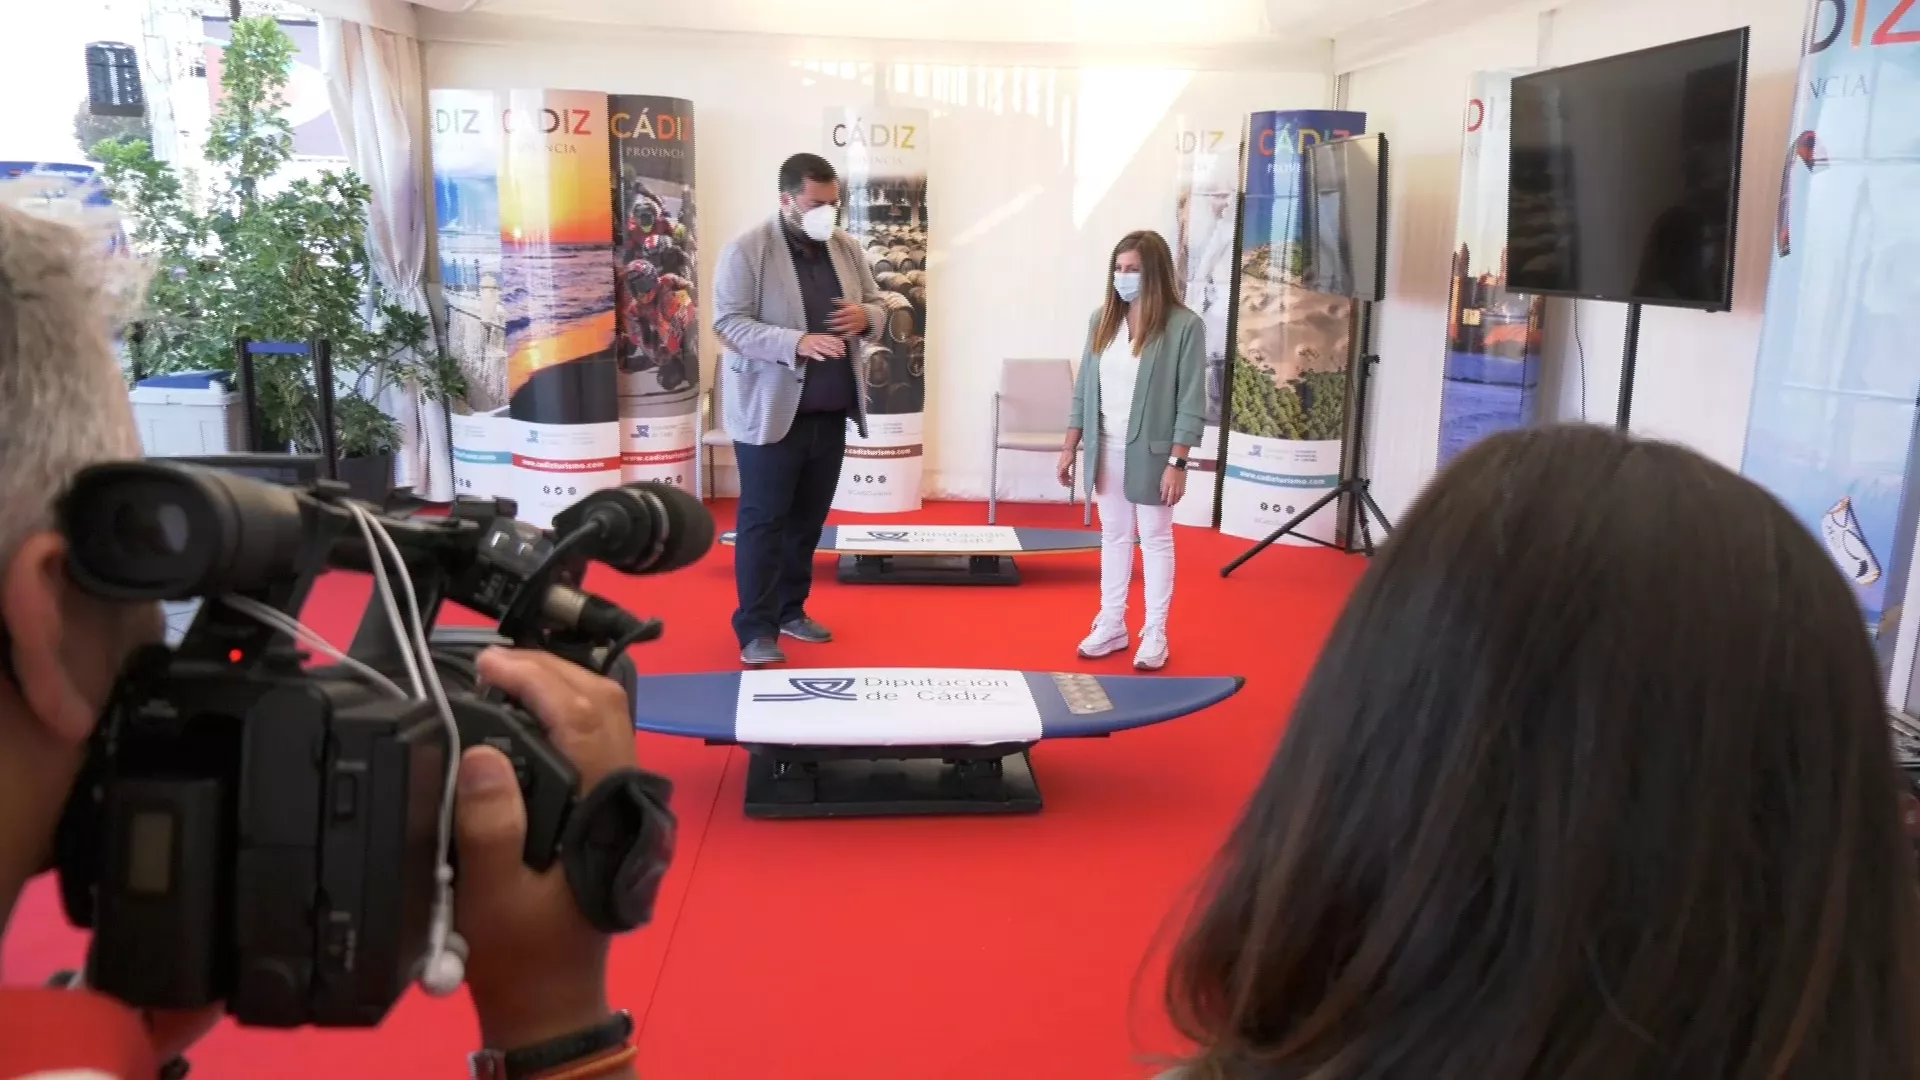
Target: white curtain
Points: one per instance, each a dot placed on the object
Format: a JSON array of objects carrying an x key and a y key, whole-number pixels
[{"x": 374, "y": 81}]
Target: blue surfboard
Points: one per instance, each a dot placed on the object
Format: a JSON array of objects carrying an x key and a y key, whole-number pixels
[
  {"x": 951, "y": 540},
  {"x": 882, "y": 707}
]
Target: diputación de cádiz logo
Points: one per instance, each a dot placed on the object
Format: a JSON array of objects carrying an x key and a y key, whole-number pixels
[
  {"x": 887, "y": 537},
  {"x": 837, "y": 688}
]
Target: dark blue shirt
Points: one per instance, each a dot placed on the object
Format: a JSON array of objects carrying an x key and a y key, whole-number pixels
[{"x": 829, "y": 385}]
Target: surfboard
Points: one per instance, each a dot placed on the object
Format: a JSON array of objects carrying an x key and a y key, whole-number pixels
[
  {"x": 899, "y": 707},
  {"x": 951, "y": 541}
]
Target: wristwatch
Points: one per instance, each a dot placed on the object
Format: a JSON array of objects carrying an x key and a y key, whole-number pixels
[
  {"x": 531, "y": 1061},
  {"x": 1176, "y": 463}
]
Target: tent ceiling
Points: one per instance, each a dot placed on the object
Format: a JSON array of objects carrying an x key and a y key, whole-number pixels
[{"x": 1188, "y": 23}]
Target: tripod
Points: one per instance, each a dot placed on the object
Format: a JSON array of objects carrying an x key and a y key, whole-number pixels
[{"x": 1357, "y": 489}]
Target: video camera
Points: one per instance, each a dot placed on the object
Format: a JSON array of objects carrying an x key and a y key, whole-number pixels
[{"x": 253, "y": 832}]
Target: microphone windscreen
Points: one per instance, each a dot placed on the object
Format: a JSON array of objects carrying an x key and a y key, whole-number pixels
[{"x": 689, "y": 527}]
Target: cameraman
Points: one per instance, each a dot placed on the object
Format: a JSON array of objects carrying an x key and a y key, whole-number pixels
[{"x": 537, "y": 973}]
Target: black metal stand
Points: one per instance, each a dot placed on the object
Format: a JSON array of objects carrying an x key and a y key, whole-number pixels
[
  {"x": 928, "y": 570},
  {"x": 890, "y": 781},
  {"x": 1629, "y": 356},
  {"x": 321, "y": 353}
]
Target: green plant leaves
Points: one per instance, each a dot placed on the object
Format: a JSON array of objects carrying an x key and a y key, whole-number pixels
[{"x": 270, "y": 258}]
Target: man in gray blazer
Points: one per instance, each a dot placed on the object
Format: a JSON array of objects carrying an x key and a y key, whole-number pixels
[{"x": 796, "y": 306}]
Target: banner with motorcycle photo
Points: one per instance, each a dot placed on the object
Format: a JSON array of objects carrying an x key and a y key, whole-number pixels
[
  {"x": 1287, "y": 388},
  {"x": 1831, "y": 428},
  {"x": 881, "y": 155},
  {"x": 657, "y": 256},
  {"x": 1207, "y": 216}
]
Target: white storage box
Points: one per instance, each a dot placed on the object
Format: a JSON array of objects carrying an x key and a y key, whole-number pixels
[{"x": 187, "y": 416}]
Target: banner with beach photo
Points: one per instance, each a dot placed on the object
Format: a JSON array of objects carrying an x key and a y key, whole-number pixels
[
  {"x": 1207, "y": 216},
  {"x": 656, "y": 290},
  {"x": 1492, "y": 373},
  {"x": 466, "y": 148},
  {"x": 881, "y": 155},
  {"x": 1831, "y": 428},
  {"x": 556, "y": 255},
  {"x": 1287, "y": 386}
]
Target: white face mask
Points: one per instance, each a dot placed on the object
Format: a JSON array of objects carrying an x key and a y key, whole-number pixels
[
  {"x": 818, "y": 222},
  {"x": 1128, "y": 286}
]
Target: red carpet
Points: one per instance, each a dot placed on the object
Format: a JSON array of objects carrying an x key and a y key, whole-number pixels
[{"x": 1012, "y": 948}]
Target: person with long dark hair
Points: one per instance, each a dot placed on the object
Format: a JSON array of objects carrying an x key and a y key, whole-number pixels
[
  {"x": 1592, "y": 781},
  {"x": 1142, "y": 392}
]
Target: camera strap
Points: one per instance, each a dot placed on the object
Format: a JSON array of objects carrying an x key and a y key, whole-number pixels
[{"x": 616, "y": 848}]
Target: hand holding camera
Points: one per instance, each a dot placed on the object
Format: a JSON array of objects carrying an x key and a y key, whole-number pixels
[
  {"x": 279, "y": 839},
  {"x": 538, "y": 969}
]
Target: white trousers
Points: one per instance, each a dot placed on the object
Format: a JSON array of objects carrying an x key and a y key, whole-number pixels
[{"x": 1119, "y": 522}]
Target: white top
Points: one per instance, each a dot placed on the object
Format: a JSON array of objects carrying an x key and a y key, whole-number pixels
[{"x": 1118, "y": 368}]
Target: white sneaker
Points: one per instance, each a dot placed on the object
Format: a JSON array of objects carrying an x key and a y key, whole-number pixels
[
  {"x": 1104, "y": 641},
  {"x": 1153, "y": 651}
]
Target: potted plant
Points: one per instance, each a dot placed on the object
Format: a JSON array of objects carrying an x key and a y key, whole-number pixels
[{"x": 262, "y": 255}]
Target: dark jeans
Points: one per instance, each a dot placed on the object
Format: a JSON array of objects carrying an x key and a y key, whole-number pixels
[{"x": 786, "y": 489}]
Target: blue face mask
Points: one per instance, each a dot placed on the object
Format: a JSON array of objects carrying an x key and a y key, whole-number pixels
[{"x": 1127, "y": 285}]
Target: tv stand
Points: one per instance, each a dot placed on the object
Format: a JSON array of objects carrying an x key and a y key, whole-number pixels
[{"x": 1629, "y": 356}]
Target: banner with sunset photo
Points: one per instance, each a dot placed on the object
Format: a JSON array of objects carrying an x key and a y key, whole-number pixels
[{"x": 556, "y": 244}]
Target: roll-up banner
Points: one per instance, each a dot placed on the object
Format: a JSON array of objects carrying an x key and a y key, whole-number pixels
[
  {"x": 466, "y": 146},
  {"x": 1831, "y": 429},
  {"x": 565, "y": 222},
  {"x": 556, "y": 231},
  {"x": 881, "y": 155},
  {"x": 1287, "y": 388},
  {"x": 1493, "y": 336},
  {"x": 1207, "y": 215},
  {"x": 657, "y": 258}
]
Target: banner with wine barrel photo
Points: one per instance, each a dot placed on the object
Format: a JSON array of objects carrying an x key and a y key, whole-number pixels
[
  {"x": 1207, "y": 217},
  {"x": 881, "y": 155},
  {"x": 1287, "y": 386},
  {"x": 657, "y": 259},
  {"x": 1831, "y": 429},
  {"x": 1492, "y": 373}
]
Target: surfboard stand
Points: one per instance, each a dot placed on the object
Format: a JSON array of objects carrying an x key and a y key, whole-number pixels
[
  {"x": 890, "y": 781},
  {"x": 928, "y": 570}
]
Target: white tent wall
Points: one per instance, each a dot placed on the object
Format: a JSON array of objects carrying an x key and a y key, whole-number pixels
[{"x": 1042, "y": 158}]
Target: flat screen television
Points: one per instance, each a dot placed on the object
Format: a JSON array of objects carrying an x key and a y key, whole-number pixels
[
  {"x": 1624, "y": 181},
  {"x": 1345, "y": 189}
]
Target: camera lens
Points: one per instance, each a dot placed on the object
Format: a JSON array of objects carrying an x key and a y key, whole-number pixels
[
  {"x": 156, "y": 530},
  {"x": 147, "y": 531}
]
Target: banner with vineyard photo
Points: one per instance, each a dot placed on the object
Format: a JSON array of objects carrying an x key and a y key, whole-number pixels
[{"x": 1287, "y": 394}]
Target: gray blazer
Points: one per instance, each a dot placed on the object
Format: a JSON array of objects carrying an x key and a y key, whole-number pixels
[{"x": 760, "y": 318}]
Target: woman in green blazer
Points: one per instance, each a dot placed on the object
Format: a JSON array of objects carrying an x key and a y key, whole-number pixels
[{"x": 1141, "y": 401}]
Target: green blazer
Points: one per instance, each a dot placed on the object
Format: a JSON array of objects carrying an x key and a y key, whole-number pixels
[{"x": 1169, "y": 404}]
